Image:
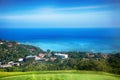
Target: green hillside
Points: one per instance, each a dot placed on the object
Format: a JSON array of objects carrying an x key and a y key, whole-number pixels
[
  {"x": 12, "y": 50},
  {"x": 58, "y": 75}
]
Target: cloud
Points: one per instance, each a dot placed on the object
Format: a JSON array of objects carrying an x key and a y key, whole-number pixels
[
  {"x": 57, "y": 17},
  {"x": 82, "y": 7},
  {"x": 49, "y": 10},
  {"x": 46, "y": 13},
  {"x": 54, "y": 16}
]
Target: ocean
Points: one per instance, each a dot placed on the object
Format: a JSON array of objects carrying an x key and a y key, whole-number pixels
[{"x": 104, "y": 40}]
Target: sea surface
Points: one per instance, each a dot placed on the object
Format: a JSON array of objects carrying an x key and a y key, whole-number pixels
[{"x": 104, "y": 40}]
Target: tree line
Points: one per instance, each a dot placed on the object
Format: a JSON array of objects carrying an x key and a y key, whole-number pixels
[{"x": 111, "y": 65}]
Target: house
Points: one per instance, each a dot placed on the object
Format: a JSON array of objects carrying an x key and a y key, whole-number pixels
[
  {"x": 63, "y": 56},
  {"x": 5, "y": 66},
  {"x": 53, "y": 58},
  {"x": 1, "y": 42},
  {"x": 30, "y": 56},
  {"x": 16, "y": 64},
  {"x": 91, "y": 55},
  {"x": 85, "y": 59},
  {"x": 105, "y": 56},
  {"x": 20, "y": 59},
  {"x": 11, "y": 63},
  {"x": 9, "y": 45},
  {"x": 32, "y": 49},
  {"x": 46, "y": 59},
  {"x": 39, "y": 57}
]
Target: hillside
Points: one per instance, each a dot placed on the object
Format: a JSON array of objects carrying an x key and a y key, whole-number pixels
[
  {"x": 58, "y": 75},
  {"x": 11, "y": 51},
  {"x": 18, "y": 57}
]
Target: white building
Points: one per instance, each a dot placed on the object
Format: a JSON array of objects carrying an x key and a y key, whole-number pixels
[
  {"x": 6, "y": 65},
  {"x": 63, "y": 56},
  {"x": 1, "y": 42},
  {"x": 30, "y": 56},
  {"x": 11, "y": 63},
  {"x": 37, "y": 58},
  {"x": 20, "y": 59}
]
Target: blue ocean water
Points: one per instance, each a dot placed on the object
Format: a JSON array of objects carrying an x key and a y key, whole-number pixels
[{"x": 66, "y": 39}]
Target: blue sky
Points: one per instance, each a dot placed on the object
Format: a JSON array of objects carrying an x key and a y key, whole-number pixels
[{"x": 59, "y": 13}]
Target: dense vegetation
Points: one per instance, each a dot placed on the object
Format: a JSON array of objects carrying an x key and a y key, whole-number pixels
[
  {"x": 11, "y": 51},
  {"x": 76, "y": 61}
]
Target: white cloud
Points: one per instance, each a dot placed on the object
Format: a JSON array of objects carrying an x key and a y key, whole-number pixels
[
  {"x": 46, "y": 13},
  {"x": 71, "y": 8},
  {"x": 48, "y": 16},
  {"x": 82, "y": 7}
]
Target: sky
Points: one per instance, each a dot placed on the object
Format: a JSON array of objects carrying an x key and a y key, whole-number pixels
[{"x": 59, "y": 13}]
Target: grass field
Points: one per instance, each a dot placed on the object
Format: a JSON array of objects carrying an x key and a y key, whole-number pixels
[{"x": 58, "y": 75}]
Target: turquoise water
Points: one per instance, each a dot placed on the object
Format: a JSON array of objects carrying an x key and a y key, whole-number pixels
[
  {"x": 66, "y": 39},
  {"x": 95, "y": 45}
]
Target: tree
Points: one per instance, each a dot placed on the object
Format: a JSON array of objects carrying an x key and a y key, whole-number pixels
[
  {"x": 48, "y": 50},
  {"x": 73, "y": 63},
  {"x": 93, "y": 65},
  {"x": 114, "y": 62}
]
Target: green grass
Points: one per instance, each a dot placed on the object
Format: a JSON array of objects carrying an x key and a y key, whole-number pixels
[{"x": 58, "y": 75}]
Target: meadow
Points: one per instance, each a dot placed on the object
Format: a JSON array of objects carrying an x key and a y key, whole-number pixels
[{"x": 58, "y": 75}]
